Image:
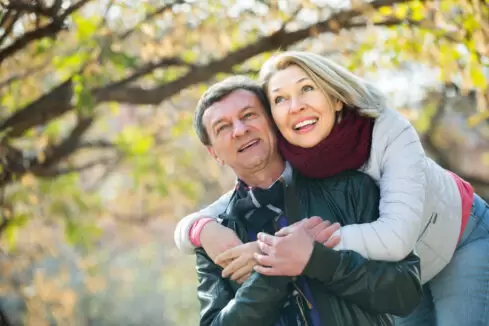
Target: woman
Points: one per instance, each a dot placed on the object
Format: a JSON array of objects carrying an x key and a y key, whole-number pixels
[{"x": 331, "y": 120}]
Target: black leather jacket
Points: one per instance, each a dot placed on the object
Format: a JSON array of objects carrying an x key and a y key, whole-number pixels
[{"x": 347, "y": 288}]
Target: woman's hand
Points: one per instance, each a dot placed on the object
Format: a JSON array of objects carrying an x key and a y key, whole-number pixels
[
  {"x": 238, "y": 262},
  {"x": 216, "y": 239},
  {"x": 321, "y": 230}
]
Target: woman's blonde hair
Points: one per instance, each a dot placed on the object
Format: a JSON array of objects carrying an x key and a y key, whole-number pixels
[{"x": 331, "y": 78}]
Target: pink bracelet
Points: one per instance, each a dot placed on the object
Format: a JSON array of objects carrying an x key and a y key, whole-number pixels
[{"x": 196, "y": 228}]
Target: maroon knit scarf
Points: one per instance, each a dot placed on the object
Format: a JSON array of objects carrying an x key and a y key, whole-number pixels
[{"x": 346, "y": 148}]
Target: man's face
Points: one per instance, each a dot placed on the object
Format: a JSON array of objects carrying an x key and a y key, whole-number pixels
[{"x": 240, "y": 132}]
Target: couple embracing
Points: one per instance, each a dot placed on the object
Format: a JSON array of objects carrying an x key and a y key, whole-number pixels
[{"x": 338, "y": 217}]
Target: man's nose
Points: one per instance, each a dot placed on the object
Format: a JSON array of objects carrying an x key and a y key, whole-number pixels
[
  {"x": 296, "y": 104},
  {"x": 239, "y": 129}
]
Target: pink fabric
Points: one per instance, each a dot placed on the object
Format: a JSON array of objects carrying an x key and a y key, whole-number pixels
[
  {"x": 467, "y": 196},
  {"x": 196, "y": 229}
]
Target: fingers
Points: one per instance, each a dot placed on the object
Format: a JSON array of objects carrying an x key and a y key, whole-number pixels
[
  {"x": 315, "y": 230},
  {"x": 312, "y": 222},
  {"x": 266, "y": 270},
  {"x": 323, "y": 235},
  {"x": 332, "y": 242},
  {"x": 244, "y": 278},
  {"x": 229, "y": 254},
  {"x": 263, "y": 260},
  {"x": 307, "y": 223},
  {"x": 239, "y": 268},
  {"x": 285, "y": 230},
  {"x": 264, "y": 248},
  {"x": 266, "y": 238},
  {"x": 289, "y": 229},
  {"x": 243, "y": 272},
  {"x": 233, "y": 266}
]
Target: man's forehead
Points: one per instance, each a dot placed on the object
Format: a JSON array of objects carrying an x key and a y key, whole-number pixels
[{"x": 231, "y": 104}]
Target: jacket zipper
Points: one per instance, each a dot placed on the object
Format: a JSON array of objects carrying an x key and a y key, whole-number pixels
[{"x": 301, "y": 294}]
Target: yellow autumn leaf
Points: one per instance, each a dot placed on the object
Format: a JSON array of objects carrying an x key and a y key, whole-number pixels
[
  {"x": 477, "y": 118},
  {"x": 28, "y": 179}
]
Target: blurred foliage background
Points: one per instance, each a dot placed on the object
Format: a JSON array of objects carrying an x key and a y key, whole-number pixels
[{"x": 98, "y": 159}]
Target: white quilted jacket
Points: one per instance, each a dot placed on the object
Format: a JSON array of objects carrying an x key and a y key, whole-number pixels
[{"x": 420, "y": 203}]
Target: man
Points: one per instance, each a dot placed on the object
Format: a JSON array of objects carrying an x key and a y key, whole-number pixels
[{"x": 318, "y": 286}]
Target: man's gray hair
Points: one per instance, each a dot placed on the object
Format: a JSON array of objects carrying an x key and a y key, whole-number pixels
[{"x": 217, "y": 92}]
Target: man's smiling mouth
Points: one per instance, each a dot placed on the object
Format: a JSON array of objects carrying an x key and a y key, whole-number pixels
[{"x": 248, "y": 145}]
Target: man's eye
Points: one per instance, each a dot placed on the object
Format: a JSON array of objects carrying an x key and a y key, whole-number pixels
[
  {"x": 249, "y": 115},
  {"x": 307, "y": 88},
  {"x": 221, "y": 128},
  {"x": 278, "y": 99}
]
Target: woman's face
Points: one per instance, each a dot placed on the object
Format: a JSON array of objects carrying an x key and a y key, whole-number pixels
[{"x": 303, "y": 113}]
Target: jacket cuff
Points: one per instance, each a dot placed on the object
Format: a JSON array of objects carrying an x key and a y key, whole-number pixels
[
  {"x": 196, "y": 229},
  {"x": 323, "y": 263}
]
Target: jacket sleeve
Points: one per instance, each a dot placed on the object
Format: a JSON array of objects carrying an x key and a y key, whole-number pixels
[
  {"x": 379, "y": 286},
  {"x": 257, "y": 302},
  {"x": 397, "y": 149},
  {"x": 181, "y": 233}
]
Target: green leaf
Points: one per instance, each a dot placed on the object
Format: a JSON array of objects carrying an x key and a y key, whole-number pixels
[
  {"x": 84, "y": 100},
  {"x": 43, "y": 45},
  {"x": 85, "y": 25},
  {"x": 133, "y": 141},
  {"x": 10, "y": 233},
  {"x": 81, "y": 233},
  {"x": 122, "y": 60}
]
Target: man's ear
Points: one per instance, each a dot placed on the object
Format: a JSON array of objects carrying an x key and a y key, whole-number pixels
[{"x": 214, "y": 155}]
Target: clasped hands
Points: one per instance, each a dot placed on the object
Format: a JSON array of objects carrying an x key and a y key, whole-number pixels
[{"x": 285, "y": 253}]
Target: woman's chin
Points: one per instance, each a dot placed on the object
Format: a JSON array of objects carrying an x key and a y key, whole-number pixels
[{"x": 306, "y": 142}]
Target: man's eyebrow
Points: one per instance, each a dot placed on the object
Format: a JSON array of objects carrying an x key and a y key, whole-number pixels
[
  {"x": 297, "y": 82},
  {"x": 220, "y": 120}
]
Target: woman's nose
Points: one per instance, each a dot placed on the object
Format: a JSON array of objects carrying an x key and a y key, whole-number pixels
[{"x": 296, "y": 104}]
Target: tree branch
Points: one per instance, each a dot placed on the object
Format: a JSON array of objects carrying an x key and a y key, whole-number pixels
[
  {"x": 110, "y": 168},
  {"x": 52, "y": 172},
  {"x": 150, "y": 16},
  {"x": 51, "y": 29},
  {"x": 8, "y": 19},
  {"x": 15, "y": 165},
  {"x": 96, "y": 144},
  {"x": 32, "y": 8},
  {"x": 150, "y": 67},
  {"x": 58, "y": 101},
  {"x": 42, "y": 110},
  {"x": 279, "y": 39}
]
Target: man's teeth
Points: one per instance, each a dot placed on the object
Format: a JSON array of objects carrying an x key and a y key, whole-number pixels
[
  {"x": 249, "y": 145},
  {"x": 305, "y": 123}
]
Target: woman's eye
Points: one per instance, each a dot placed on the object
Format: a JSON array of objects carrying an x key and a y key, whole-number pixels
[
  {"x": 278, "y": 99},
  {"x": 307, "y": 88}
]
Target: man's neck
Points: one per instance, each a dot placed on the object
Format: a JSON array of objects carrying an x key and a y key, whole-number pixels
[{"x": 265, "y": 177}]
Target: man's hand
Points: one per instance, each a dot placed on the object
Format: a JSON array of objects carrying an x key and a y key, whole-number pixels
[
  {"x": 321, "y": 231},
  {"x": 238, "y": 261},
  {"x": 287, "y": 255},
  {"x": 216, "y": 239}
]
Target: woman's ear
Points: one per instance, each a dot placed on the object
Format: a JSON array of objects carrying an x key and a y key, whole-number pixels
[{"x": 338, "y": 105}]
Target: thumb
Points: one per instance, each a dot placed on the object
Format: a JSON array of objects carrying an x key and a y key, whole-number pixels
[
  {"x": 283, "y": 231},
  {"x": 289, "y": 229}
]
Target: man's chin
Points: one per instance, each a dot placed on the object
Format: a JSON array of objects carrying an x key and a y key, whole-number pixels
[{"x": 251, "y": 162}]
